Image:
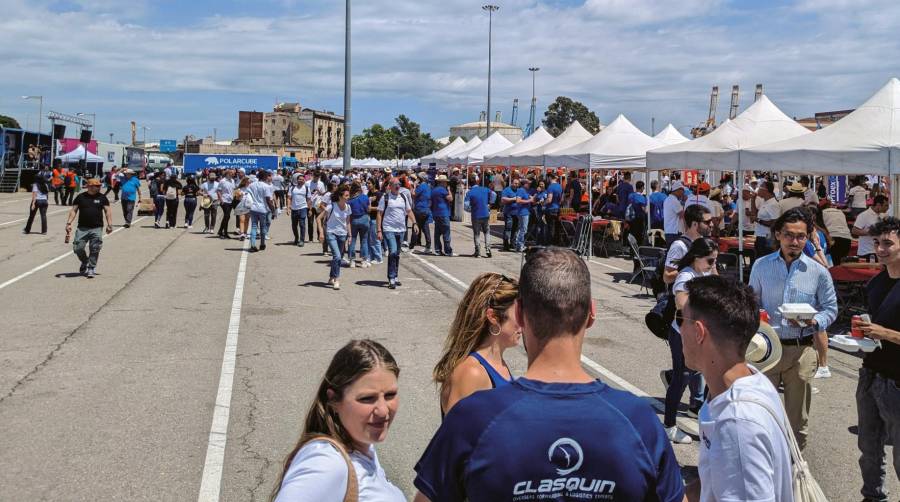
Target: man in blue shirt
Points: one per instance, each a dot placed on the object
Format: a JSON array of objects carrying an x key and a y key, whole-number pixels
[
  {"x": 551, "y": 210},
  {"x": 623, "y": 191},
  {"x": 478, "y": 201},
  {"x": 523, "y": 200},
  {"x": 636, "y": 213},
  {"x": 131, "y": 194},
  {"x": 509, "y": 198},
  {"x": 789, "y": 276},
  {"x": 657, "y": 199},
  {"x": 537, "y": 438},
  {"x": 440, "y": 211},
  {"x": 422, "y": 211}
]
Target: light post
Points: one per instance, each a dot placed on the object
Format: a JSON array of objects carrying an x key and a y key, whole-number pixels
[
  {"x": 531, "y": 118},
  {"x": 348, "y": 132},
  {"x": 40, "y": 109},
  {"x": 490, "y": 10},
  {"x": 111, "y": 138}
]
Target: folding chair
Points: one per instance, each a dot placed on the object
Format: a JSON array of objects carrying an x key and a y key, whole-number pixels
[{"x": 646, "y": 259}]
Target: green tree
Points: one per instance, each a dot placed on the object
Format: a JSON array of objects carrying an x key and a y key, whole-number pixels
[
  {"x": 9, "y": 122},
  {"x": 405, "y": 139},
  {"x": 564, "y": 111}
]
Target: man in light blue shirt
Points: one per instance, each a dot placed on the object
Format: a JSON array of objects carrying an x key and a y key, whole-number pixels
[{"x": 789, "y": 276}]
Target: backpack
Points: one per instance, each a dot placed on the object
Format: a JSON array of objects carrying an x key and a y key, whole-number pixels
[
  {"x": 171, "y": 193},
  {"x": 657, "y": 285},
  {"x": 660, "y": 317}
]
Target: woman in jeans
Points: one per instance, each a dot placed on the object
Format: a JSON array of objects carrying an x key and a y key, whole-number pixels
[
  {"x": 359, "y": 225},
  {"x": 159, "y": 198},
  {"x": 335, "y": 219},
  {"x": 374, "y": 241},
  {"x": 190, "y": 200},
  {"x": 39, "y": 203},
  {"x": 700, "y": 260},
  {"x": 209, "y": 189},
  {"x": 393, "y": 211}
]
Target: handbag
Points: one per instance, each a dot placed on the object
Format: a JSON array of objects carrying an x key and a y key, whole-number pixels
[
  {"x": 171, "y": 193},
  {"x": 804, "y": 485},
  {"x": 659, "y": 319},
  {"x": 205, "y": 202}
]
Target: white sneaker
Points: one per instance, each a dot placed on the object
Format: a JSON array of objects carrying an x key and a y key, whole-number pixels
[
  {"x": 336, "y": 285},
  {"x": 823, "y": 372},
  {"x": 352, "y": 263},
  {"x": 678, "y": 436},
  {"x": 378, "y": 262},
  {"x": 366, "y": 264}
]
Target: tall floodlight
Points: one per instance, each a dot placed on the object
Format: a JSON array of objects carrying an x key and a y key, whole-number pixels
[
  {"x": 490, "y": 10},
  {"x": 348, "y": 134},
  {"x": 40, "y": 110},
  {"x": 531, "y": 116}
]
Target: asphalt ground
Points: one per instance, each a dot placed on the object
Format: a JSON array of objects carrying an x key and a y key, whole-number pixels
[{"x": 108, "y": 387}]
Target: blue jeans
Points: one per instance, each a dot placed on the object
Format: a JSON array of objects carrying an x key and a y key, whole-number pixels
[
  {"x": 258, "y": 220},
  {"x": 359, "y": 227},
  {"x": 442, "y": 234},
  {"x": 159, "y": 203},
  {"x": 509, "y": 223},
  {"x": 681, "y": 378},
  {"x": 298, "y": 221},
  {"x": 523, "y": 228},
  {"x": 336, "y": 245},
  {"x": 394, "y": 240},
  {"x": 878, "y": 407},
  {"x": 424, "y": 229},
  {"x": 374, "y": 244}
]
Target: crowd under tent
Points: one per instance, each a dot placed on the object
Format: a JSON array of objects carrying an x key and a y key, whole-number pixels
[
  {"x": 538, "y": 138},
  {"x": 572, "y": 136}
]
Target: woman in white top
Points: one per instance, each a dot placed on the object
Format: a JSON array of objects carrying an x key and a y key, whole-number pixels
[
  {"x": 335, "y": 219},
  {"x": 700, "y": 260},
  {"x": 394, "y": 209},
  {"x": 353, "y": 409},
  {"x": 857, "y": 196},
  {"x": 209, "y": 189},
  {"x": 39, "y": 202}
]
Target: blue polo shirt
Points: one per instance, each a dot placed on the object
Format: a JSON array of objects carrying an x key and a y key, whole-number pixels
[
  {"x": 523, "y": 208},
  {"x": 439, "y": 206},
  {"x": 657, "y": 199},
  {"x": 509, "y": 209},
  {"x": 539, "y": 441},
  {"x": 129, "y": 188},
  {"x": 359, "y": 205},
  {"x": 539, "y": 198},
  {"x": 479, "y": 201},
  {"x": 423, "y": 198},
  {"x": 555, "y": 189}
]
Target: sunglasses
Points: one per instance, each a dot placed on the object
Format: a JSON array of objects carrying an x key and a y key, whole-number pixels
[
  {"x": 503, "y": 279},
  {"x": 711, "y": 261},
  {"x": 680, "y": 318}
]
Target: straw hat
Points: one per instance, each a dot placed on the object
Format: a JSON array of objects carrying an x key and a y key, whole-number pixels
[
  {"x": 764, "y": 350},
  {"x": 796, "y": 188},
  {"x": 441, "y": 177},
  {"x": 94, "y": 182}
]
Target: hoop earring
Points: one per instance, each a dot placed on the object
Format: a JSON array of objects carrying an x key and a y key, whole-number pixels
[{"x": 492, "y": 333}]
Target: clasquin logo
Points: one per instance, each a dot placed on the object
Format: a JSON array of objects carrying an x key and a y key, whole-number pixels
[{"x": 567, "y": 455}]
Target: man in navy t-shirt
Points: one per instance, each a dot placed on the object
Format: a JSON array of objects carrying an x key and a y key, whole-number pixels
[
  {"x": 440, "y": 211},
  {"x": 523, "y": 199},
  {"x": 479, "y": 200},
  {"x": 508, "y": 199},
  {"x": 551, "y": 210},
  {"x": 556, "y": 433},
  {"x": 422, "y": 212}
]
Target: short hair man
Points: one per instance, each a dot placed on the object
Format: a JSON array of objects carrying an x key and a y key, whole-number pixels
[
  {"x": 89, "y": 207},
  {"x": 743, "y": 452},
  {"x": 479, "y": 199},
  {"x": 697, "y": 223},
  {"x": 556, "y": 432},
  {"x": 789, "y": 276},
  {"x": 878, "y": 388},
  {"x": 673, "y": 210},
  {"x": 864, "y": 221},
  {"x": 764, "y": 214}
]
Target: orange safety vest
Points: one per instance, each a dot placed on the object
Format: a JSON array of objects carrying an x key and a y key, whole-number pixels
[
  {"x": 70, "y": 179},
  {"x": 56, "y": 179}
]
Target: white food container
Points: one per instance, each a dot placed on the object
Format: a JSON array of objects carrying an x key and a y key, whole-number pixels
[
  {"x": 797, "y": 311},
  {"x": 850, "y": 344}
]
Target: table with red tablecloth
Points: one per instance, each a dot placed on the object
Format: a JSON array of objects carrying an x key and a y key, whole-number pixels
[
  {"x": 728, "y": 244},
  {"x": 854, "y": 272},
  {"x": 850, "y": 281}
]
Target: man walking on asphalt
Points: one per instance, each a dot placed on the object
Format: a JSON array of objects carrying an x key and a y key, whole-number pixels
[
  {"x": 89, "y": 207},
  {"x": 131, "y": 194},
  {"x": 478, "y": 201},
  {"x": 225, "y": 193}
]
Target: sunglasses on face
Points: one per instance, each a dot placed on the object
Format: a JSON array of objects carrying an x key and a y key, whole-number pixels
[
  {"x": 680, "y": 318},
  {"x": 711, "y": 261}
]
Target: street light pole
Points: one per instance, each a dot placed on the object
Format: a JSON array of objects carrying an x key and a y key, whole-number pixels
[
  {"x": 40, "y": 110},
  {"x": 531, "y": 118},
  {"x": 348, "y": 134},
  {"x": 490, "y": 10}
]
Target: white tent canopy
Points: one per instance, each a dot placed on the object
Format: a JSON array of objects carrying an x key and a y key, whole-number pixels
[
  {"x": 867, "y": 141},
  {"x": 455, "y": 146},
  {"x": 759, "y": 124},
  {"x": 443, "y": 162},
  {"x": 538, "y": 138},
  {"x": 670, "y": 136},
  {"x": 535, "y": 157},
  {"x": 77, "y": 155},
  {"x": 620, "y": 145},
  {"x": 494, "y": 143}
]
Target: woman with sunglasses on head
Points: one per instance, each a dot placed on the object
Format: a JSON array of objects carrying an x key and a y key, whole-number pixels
[
  {"x": 353, "y": 409},
  {"x": 335, "y": 219},
  {"x": 699, "y": 261},
  {"x": 483, "y": 329}
]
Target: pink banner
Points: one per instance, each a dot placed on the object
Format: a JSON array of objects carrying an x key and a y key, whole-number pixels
[{"x": 66, "y": 145}]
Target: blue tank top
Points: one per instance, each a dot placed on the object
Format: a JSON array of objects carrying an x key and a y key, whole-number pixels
[{"x": 497, "y": 380}]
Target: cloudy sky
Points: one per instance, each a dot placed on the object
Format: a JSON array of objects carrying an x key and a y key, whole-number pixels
[{"x": 187, "y": 67}]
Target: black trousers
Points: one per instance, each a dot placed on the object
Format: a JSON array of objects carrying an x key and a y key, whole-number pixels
[
  {"x": 553, "y": 228},
  {"x": 226, "y": 218},
  {"x": 39, "y": 206},
  {"x": 209, "y": 217},
  {"x": 190, "y": 205},
  {"x": 69, "y": 196},
  {"x": 839, "y": 249},
  {"x": 172, "y": 212}
]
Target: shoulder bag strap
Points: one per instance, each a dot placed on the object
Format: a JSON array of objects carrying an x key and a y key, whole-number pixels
[{"x": 352, "y": 493}]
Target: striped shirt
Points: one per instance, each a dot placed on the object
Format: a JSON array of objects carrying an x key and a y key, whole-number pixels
[{"x": 805, "y": 281}]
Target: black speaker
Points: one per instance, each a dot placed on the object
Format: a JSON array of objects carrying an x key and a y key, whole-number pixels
[
  {"x": 59, "y": 131},
  {"x": 85, "y": 135}
]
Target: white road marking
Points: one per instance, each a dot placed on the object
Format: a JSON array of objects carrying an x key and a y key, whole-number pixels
[
  {"x": 35, "y": 217},
  {"x": 686, "y": 425},
  {"x": 51, "y": 262},
  {"x": 23, "y": 199},
  {"x": 609, "y": 266},
  {"x": 211, "y": 481}
]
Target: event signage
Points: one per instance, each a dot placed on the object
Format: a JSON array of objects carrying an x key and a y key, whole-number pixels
[
  {"x": 194, "y": 162},
  {"x": 837, "y": 188},
  {"x": 690, "y": 177},
  {"x": 167, "y": 145}
]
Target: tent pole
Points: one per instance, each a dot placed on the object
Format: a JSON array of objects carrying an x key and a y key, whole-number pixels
[
  {"x": 647, "y": 207},
  {"x": 740, "y": 180},
  {"x": 590, "y": 172}
]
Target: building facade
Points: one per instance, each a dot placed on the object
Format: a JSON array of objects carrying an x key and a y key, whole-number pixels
[{"x": 302, "y": 133}]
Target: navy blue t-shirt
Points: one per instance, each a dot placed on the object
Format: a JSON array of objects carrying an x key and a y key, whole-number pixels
[
  {"x": 479, "y": 202},
  {"x": 423, "y": 198},
  {"x": 439, "y": 205},
  {"x": 532, "y": 441},
  {"x": 359, "y": 205},
  {"x": 555, "y": 189}
]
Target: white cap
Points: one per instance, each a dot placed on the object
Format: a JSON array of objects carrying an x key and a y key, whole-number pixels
[{"x": 677, "y": 185}]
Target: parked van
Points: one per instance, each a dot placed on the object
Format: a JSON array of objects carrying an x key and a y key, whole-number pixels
[{"x": 158, "y": 161}]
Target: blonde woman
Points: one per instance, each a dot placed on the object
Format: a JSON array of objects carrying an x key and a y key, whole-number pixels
[
  {"x": 352, "y": 410},
  {"x": 483, "y": 329}
]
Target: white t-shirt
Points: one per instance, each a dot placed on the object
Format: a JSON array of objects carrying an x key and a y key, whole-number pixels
[
  {"x": 698, "y": 200},
  {"x": 318, "y": 472},
  {"x": 769, "y": 210},
  {"x": 836, "y": 222},
  {"x": 680, "y": 284},
  {"x": 226, "y": 188},
  {"x": 857, "y": 197},
  {"x": 260, "y": 191},
  {"x": 810, "y": 197},
  {"x": 671, "y": 220},
  {"x": 278, "y": 182},
  {"x": 298, "y": 197},
  {"x": 394, "y": 208},
  {"x": 39, "y": 195},
  {"x": 749, "y": 226},
  {"x": 865, "y": 220},
  {"x": 336, "y": 219},
  {"x": 210, "y": 187},
  {"x": 676, "y": 252},
  {"x": 316, "y": 191},
  {"x": 717, "y": 211},
  {"x": 790, "y": 203},
  {"x": 743, "y": 452}
]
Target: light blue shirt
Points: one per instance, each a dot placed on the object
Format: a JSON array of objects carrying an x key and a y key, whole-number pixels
[{"x": 805, "y": 282}]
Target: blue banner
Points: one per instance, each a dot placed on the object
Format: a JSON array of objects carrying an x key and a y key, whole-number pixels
[
  {"x": 167, "y": 145},
  {"x": 837, "y": 189},
  {"x": 194, "y": 162}
]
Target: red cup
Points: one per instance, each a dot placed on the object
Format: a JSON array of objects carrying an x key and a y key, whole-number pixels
[
  {"x": 763, "y": 316},
  {"x": 855, "y": 332}
]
